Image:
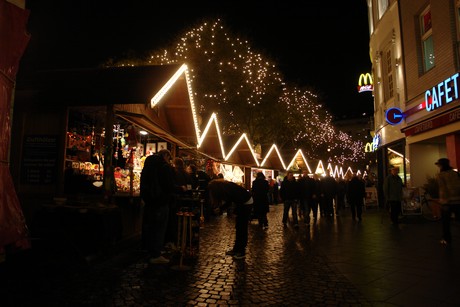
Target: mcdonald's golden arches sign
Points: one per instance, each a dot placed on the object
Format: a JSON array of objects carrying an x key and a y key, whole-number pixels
[{"x": 365, "y": 83}]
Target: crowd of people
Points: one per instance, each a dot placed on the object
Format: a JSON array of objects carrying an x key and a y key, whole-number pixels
[
  {"x": 306, "y": 198},
  {"x": 165, "y": 181}
]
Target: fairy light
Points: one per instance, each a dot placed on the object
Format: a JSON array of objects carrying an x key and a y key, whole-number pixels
[
  {"x": 273, "y": 148},
  {"x": 299, "y": 152},
  {"x": 212, "y": 120},
  {"x": 242, "y": 137},
  {"x": 320, "y": 168},
  {"x": 221, "y": 58}
]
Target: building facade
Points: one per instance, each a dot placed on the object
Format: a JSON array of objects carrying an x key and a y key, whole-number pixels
[{"x": 415, "y": 56}]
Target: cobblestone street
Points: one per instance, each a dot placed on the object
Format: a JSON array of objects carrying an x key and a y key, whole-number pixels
[{"x": 330, "y": 263}]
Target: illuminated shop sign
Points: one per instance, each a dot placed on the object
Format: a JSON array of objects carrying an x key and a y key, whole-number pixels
[
  {"x": 371, "y": 147},
  {"x": 394, "y": 116},
  {"x": 445, "y": 119},
  {"x": 443, "y": 93},
  {"x": 365, "y": 83},
  {"x": 368, "y": 148}
]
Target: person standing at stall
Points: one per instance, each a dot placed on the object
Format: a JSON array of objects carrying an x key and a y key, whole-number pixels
[
  {"x": 304, "y": 208},
  {"x": 328, "y": 194},
  {"x": 226, "y": 192},
  {"x": 393, "y": 192},
  {"x": 157, "y": 191},
  {"x": 260, "y": 190},
  {"x": 356, "y": 192},
  {"x": 181, "y": 181},
  {"x": 271, "y": 186},
  {"x": 290, "y": 193}
]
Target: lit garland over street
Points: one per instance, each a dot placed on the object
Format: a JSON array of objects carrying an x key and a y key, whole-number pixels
[{"x": 248, "y": 93}]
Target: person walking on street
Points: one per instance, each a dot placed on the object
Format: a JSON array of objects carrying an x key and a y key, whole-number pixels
[
  {"x": 393, "y": 192},
  {"x": 157, "y": 191},
  {"x": 227, "y": 192},
  {"x": 271, "y": 184},
  {"x": 316, "y": 197},
  {"x": 328, "y": 194},
  {"x": 449, "y": 197},
  {"x": 341, "y": 192},
  {"x": 290, "y": 196},
  {"x": 307, "y": 190},
  {"x": 260, "y": 190},
  {"x": 276, "y": 189},
  {"x": 356, "y": 191}
]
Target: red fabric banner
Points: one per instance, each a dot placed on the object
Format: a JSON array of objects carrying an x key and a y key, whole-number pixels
[{"x": 13, "y": 41}]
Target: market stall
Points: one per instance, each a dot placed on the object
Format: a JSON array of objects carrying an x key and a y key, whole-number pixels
[{"x": 82, "y": 136}]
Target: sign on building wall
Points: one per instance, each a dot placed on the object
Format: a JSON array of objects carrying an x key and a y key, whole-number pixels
[
  {"x": 39, "y": 161},
  {"x": 394, "y": 116},
  {"x": 365, "y": 83}
]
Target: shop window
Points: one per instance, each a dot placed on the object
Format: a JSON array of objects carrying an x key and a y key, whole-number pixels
[
  {"x": 86, "y": 147},
  {"x": 396, "y": 158}
]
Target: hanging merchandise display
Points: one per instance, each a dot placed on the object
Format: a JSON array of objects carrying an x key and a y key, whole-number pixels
[{"x": 85, "y": 153}]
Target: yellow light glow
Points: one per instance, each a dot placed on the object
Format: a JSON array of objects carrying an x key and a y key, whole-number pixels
[
  {"x": 243, "y": 137},
  {"x": 156, "y": 99},
  {"x": 330, "y": 169},
  {"x": 320, "y": 168},
  {"x": 336, "y": 172},
  {"x": 212, "y": 119},
  {"x": 167, "y": 86},
  {"x": 275, "y": 148},
  {"x": 367, "y": 78},
  {"x": 299, "y": 152},
  {"x": 349, "y": 171}
]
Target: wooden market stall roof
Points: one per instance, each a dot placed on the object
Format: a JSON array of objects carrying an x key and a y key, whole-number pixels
[
  {"x": 157, "y": 98},
  {"x": 299, "y": 161},
  {"x": 153, "y": 97},
  {"x": 242, "y": 152},
  {"x": 211, "y": 141},
  {"x": 273, "y": 159}
]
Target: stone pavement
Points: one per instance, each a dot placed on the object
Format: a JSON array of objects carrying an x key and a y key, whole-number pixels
[{"x": 334, "y": 262}]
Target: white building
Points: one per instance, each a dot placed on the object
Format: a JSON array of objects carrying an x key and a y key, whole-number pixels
[{"x": 414, "y": 49}]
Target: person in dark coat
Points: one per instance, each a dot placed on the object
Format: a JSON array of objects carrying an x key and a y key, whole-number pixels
[
  {"x": 393, "y": 192},
  {"x": 341, "y": 193},
  {"x": 192, "y": 170},
  {"x": 181, "y": 180},
  {"x": 276, "y": 189},
  {"x": 289, "y": 193},
  {"x": 260, "y": 190},
  {"x": 271, "y": 188},
  {"x": 328, "y": 194},
  {"x": 356, "y": 191},
  {"x": 227, "y": 192},
  {"x": 305, "y": 192},
  {"x": 316, "y": 197},
  {"x": 157, "y": 191}
]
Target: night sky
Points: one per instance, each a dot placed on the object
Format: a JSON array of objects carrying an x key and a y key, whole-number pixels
[{"x": 321, "y": 45}]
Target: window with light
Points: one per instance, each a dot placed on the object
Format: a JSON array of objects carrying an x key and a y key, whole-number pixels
[{"x": 427, "y": 39}]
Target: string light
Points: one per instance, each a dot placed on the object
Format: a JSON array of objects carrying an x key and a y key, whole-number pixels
[{"x": 212, "y": 55}]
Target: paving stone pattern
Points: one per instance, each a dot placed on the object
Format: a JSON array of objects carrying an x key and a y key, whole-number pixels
[{"x": 282, "y": 267}]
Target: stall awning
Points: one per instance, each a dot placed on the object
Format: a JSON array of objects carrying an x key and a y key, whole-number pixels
[
  {"x": 144, "y": 122},
  {"x": 129, "y": 89}
]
